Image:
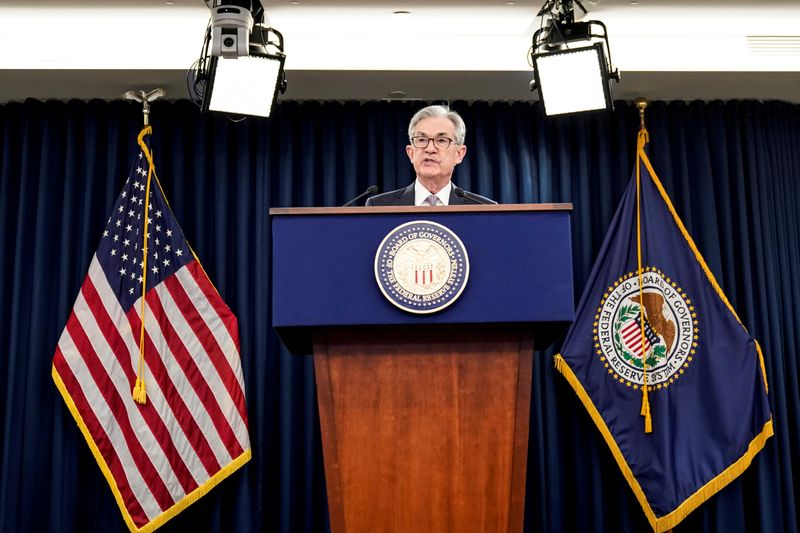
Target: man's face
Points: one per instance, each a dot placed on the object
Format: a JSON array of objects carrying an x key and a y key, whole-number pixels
[{"x": 433, "y": 163}]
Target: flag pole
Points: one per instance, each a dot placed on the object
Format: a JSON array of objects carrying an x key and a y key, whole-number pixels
[
  {"x": 641, "y": 104},
  {"x": 139, "y": 390},
  {"x": 641, "y": 141}
]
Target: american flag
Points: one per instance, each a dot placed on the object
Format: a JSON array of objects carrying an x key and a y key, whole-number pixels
[
  {"x": 160, "y": 456},
  {"x": 632, "y": 336}
]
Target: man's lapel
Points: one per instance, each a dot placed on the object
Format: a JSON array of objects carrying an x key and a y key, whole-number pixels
[
  {"x": 454, "y": 198},
  {"x": 408, "y": 196}
]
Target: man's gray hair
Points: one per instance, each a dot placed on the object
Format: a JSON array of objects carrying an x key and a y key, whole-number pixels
[{"x": 439, "y": 111}]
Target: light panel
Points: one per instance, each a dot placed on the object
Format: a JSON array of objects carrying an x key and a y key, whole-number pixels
[
  {"x": 572, "y": 81},
  {"x": 246, "y": 85}
]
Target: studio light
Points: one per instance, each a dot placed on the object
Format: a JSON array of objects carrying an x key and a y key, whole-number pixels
[
  {"x": 241, "y": 68},
  {"x": 247, "y": 85},
  {"x": 571, "y": 62}
]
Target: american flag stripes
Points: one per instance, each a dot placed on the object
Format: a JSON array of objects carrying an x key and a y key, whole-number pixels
[
  {"x": 160, "y": 456},
  {"x": 632, "y": 335}
]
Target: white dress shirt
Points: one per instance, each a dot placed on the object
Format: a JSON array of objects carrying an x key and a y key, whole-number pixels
[{"x": 421, "y": 194}]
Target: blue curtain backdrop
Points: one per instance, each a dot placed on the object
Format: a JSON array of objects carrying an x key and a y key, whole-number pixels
[{"x": 732, "y": 169}]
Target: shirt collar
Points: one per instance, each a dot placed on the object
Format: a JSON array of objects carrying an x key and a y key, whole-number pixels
[{"x": 421, "y": 193}]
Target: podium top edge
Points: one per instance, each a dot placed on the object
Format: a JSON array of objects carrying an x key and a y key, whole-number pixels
[{"x": 399, "y": 209}]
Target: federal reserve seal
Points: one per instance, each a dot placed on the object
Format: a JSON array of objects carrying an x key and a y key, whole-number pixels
[
  {"x": 421, "y": 266},
  {"x": 657, "y": 328}
]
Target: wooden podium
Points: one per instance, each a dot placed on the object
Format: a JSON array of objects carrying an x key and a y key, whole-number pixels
[{"x": 424, "y": 418}]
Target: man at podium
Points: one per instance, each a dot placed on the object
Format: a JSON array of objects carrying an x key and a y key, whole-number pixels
[{"x": 436, "y": 146}]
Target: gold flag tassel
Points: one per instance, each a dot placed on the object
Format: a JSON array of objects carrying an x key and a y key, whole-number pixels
[
  {"x": 641, "y": 141},
  {"x": 139, "y": 390}
]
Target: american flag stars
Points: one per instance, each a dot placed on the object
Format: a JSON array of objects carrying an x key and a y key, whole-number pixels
[{"x": 122, "y": 245}]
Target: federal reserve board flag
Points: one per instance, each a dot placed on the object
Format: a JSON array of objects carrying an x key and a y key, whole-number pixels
[
  {"x": 659, "y": 358},
  {"x": 160, "y": 401}
]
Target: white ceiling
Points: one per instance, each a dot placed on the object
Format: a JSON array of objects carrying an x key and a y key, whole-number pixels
[{"x": 356, "y": 49}]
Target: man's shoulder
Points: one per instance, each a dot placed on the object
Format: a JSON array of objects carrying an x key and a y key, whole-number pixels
[
  {"x": 459, "y": 196},
  {"x": 395, "y": 197}
]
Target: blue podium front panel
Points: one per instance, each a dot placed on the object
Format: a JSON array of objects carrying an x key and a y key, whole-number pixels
[{"x": 520, "y": 268}]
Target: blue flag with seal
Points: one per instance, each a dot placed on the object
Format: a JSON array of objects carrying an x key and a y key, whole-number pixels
[{"x": 657, "y": 355}]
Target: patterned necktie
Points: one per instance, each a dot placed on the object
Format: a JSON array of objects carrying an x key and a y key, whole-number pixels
[{"x": 432, "y": 200}]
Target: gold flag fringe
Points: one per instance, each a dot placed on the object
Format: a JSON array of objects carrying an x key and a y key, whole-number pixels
[{"x": 661, "y": 524}]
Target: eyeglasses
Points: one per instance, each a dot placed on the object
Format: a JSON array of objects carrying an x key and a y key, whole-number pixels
[{"x": 439, "y": 142}]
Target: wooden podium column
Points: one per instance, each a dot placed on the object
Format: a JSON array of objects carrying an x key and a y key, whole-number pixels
[{"x": 424, "y": 430}]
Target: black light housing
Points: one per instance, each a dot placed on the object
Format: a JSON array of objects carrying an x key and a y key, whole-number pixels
[{"x": 571, "y": 62}]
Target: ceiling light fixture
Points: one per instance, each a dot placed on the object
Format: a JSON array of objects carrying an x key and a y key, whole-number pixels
[
  {"x": 571, "y": 61},
  {"x": 241, "y": 66}
]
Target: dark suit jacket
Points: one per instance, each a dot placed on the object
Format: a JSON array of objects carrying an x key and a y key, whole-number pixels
[{"x": 405, "y": 196}]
